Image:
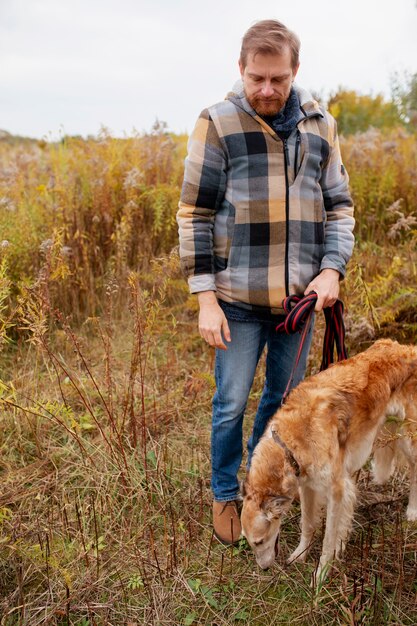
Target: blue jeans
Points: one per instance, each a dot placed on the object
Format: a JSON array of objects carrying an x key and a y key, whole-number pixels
[{"x": 234, "y": 373}]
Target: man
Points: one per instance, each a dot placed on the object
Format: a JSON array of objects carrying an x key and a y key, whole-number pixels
[{"x": 265, "y": 212}]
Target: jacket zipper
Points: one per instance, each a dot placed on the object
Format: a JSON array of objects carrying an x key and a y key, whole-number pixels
[
  {"x": 297, "y": 146},
  {"x": 287, "y": 214},
  {"x": 287, "y": 197}
]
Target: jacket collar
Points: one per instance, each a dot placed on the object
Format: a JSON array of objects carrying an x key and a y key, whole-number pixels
[{"x": 308, "y": 106}]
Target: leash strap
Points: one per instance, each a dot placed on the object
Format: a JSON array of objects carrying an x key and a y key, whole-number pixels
[
  {"x": 299, "y": 312},
  {"x": 334, "y": 335}
]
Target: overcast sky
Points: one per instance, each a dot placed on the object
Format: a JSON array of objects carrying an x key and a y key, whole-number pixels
[{"x": 70, "y": 66}]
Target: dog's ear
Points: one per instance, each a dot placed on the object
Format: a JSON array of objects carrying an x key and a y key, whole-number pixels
[
  {"x": 289, "y": 484},
  {"x": 242, "y": 489},
  {"x": 275, "y": 506},
  {"x": 412, "y": 371},
  {"x": 413, "y": 366}
]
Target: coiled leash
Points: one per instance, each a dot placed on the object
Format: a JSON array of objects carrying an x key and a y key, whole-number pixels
[{"x": 299, "y": 312}]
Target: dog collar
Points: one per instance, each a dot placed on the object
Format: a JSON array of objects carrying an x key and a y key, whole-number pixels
[{"x": 290, "y": 457}]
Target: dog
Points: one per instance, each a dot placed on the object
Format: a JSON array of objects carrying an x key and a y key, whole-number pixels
[{"x": 319, "y": 438}]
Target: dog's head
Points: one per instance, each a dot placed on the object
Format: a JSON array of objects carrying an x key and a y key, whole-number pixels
[
  {"x": 267, "y": 494},
  {"x": 261, "y": 523}
]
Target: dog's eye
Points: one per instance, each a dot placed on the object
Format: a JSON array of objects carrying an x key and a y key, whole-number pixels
[{"x": 258, "y": 543}]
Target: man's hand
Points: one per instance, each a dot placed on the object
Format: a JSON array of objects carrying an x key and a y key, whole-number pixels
[
  {"x": 326, "y": 286},
  {"x": 212, "y": 321}
]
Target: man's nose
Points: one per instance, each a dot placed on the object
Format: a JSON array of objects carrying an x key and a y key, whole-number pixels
[{"x": 267, "y": 90}]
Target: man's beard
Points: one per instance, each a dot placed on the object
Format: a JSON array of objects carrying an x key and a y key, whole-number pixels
[{"x": 267, "y": 106}]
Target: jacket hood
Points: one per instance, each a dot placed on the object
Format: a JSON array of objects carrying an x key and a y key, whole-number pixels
[{"x": 309, "y": 106}]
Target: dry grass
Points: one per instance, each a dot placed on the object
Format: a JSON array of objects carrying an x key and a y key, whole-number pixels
[
  {"x": 94, "y": 210},
  {"x": 105, "y": 396},
  {"x": 105, "y": 500}
]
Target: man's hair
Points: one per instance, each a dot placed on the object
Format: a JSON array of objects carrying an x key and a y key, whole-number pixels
[{"x": 269, "y": 37}]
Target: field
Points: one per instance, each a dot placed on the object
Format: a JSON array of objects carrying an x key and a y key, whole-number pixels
[{"x": 105, "y": 393}]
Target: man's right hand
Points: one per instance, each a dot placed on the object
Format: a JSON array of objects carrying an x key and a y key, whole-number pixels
[{"x": 212, "y": 321}]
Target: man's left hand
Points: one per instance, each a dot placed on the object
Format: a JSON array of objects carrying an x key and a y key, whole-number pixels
[{"x": 326, "y": 286}]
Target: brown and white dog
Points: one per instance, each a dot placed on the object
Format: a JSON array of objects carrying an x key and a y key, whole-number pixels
[{"x": 324, "y": 434}]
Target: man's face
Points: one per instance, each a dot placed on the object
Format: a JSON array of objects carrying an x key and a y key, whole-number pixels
[{"x": 267, "y": 80}]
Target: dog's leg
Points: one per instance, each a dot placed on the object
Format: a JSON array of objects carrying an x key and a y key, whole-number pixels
[
  {"x": 383, "y": 463},
  {"x": 408, "y": 446},
  {"x": 340, "y": 506},
  {"x": 311, "y": 514},
  {"x": 411, "y": 512}
]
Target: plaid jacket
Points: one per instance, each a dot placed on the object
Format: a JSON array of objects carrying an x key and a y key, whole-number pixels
[{"x": 259, "y": 218}]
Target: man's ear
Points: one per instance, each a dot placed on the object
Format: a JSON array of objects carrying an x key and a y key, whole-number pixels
[
  {"x": 241, "y": 68},
  {"x": 294, "y": 72}
]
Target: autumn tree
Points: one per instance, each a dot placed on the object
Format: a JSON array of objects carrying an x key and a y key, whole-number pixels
[
  {"x": 356, "y": 113},
  {"x": 404, "y": 94}
]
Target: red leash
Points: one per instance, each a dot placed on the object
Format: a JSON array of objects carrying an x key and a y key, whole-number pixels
[{"x": 299, "y": 312}]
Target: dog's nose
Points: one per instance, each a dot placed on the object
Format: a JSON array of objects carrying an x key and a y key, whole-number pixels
[{"x": 264, "y": 565}]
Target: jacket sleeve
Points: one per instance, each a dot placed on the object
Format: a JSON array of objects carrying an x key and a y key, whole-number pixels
[
  {"x": 338, "y": 205},
  {"x": 202, "y": 192}
]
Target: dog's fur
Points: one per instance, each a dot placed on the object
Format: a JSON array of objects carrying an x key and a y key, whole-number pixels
[{"x": 329, "y": 425}]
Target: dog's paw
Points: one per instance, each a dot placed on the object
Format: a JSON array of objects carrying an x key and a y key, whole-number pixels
[
  {"x": 298, "y": 556},
  {"x": 411, "y": 514},
  {"x": 321, "y": 572}
]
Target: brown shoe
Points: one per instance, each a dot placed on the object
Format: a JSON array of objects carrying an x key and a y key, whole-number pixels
[{"x": 226, "y": 522}]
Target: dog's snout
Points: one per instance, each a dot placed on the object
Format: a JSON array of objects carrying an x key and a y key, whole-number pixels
[
  {"x": 265, "y": 564},
  {"x": 265, "y": 560}
]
